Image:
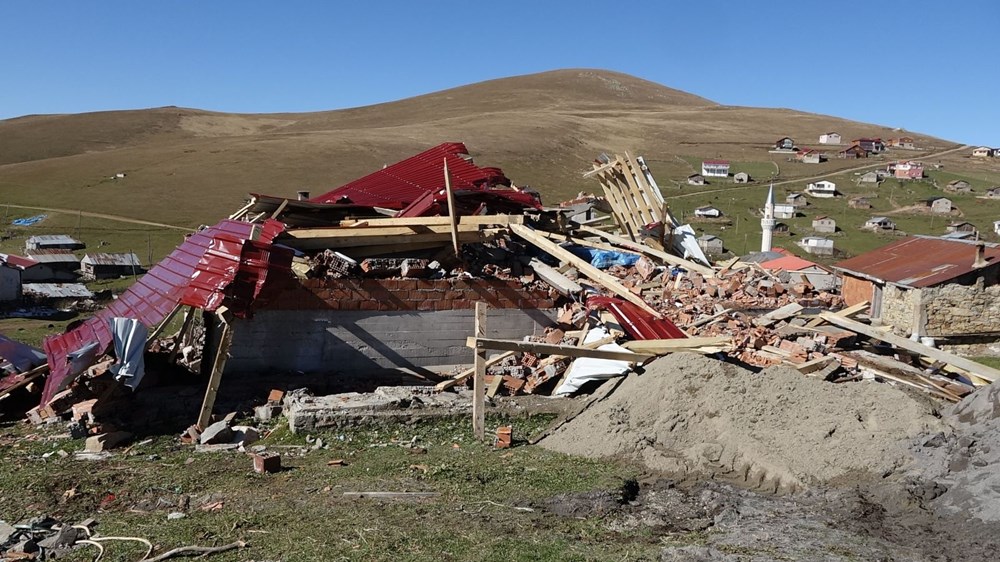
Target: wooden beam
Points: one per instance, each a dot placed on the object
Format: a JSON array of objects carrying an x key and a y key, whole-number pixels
[
  {"x": 466, "y": 220},
  {"x": 641, "y": 248},
  {"x": 608, "y": 281},
  {"x": 281, "y": 208},
  {"x": 375, "y": 231},
  {"x": 464, "y": 375},
  {"x": 451, "y": 210},
  {"x": 564, "y": 285},
  {"x": 215, "y": 379},
  {"x": 479, "y": 381},
  {"x": 661, "y": 347},
  {"x": 179, "y": 336},
  {"x": 845, "y": 313},
  {"x": 29, "y": 377},
  {"x": 778, "y": 314},
  {"x": 401, "y": 240},
  {"x": 549, "y": 349},
  {"x": 988, "y": 373}
]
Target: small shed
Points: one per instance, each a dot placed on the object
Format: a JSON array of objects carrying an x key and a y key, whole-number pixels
[
  {"x": 859, "y": 203},
  {"x": 993, "y": 193},
  {"x": 741, "y": 177},
  {"x": 781, "y": 228},
  {"x": 939, "y": 204},
  {"x": 829, "y": 138},
  {"x": 796, "y": 200},
  {"x": 708, "y": 212},
  {"x": 869, "y": 177},
  {"x": 961, "y": 226},
  {"x": 110, "y": 266},
  {"x": 958, "y": 186},
  {"x": 824, "y": 224},
  {"x": 817, "y": 245},
  {"x": 696, "y": 179},
  {"x": 784, "y": 143},
  {"x": 879, "y": 223},
  {"x": 710, "y": 244},
  {"x": 52, "y": 242},
  {"x": 784, "y": 211}
]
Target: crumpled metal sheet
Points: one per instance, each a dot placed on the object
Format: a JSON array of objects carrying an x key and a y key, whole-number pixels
[
  {"x": 638, "y": 323},
  {"x": 229, "y": 263}
]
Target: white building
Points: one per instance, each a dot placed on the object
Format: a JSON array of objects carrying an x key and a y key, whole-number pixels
[
  {"x": 784, "y": 211},
  {"x": 708, "y": 212},
  {"x": 829, "y": 138},
  {"x": 822, "y": 188},
  {"x": 817, "y": 245},
  {"x": 715, "y": 168}
]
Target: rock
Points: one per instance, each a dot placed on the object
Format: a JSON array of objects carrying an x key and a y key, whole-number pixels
[
  {"x": 218, "y": 432},
  {"x": 6, "y": 531},
  {"x": 105, "y": 441}
]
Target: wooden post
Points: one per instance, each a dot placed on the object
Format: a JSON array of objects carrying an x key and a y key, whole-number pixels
[
  {"x": 451, "y": 209},
  {"x": 180, "y": 336},
  {"x": 479, "y": 380},
  {"x": 215, "y": 379}
]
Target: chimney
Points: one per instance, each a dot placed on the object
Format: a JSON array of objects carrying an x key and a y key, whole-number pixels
[
  {"x": 980, "y": 256},
  {"x": 303, "y": 195}
]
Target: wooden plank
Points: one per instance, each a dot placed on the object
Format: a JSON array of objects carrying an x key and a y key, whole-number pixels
[
  {"x": 550, "y": 349},
  {"x": 479, "y": 380},
  {"x": 704, "y": 321},
  {"x": 845, "y": 313},
  {"x": 637, "y": 194},
  {"x": 281, "y": 208},
  {"x": 467, "y": 220},
  {"x": 787, "y": 311},
  {"x": 331, "y": 233},
  {"x": 608, "y": 281},
  {"x": 660, "y": 347},
  {"x": 464, "y": 375},
  {"x": 494, "y": 386},
  {"x": 29, "y": 377},
  {"x": 452, "y": 213},
  {"x": 988, "y": 373},
  {"x": 215, "y": 379},
  {"x": 359, "y": 253},
  {"x": 814, "y": 365},
  {"x": 401, "y": 240},
  {"x": 564, "y": 285},
  {"x": 637, "y": 247}
]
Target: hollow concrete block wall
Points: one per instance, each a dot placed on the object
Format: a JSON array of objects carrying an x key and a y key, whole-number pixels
[{"x": 358, "y": 325}]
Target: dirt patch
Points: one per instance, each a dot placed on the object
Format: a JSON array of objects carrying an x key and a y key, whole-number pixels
[{"x": 776, "y": 430}]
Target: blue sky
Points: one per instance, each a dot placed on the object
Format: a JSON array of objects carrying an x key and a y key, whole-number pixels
[{"x": 929, "y": 67}]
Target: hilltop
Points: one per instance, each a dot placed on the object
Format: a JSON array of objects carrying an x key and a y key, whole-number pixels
[{"x": 188, "y": 166}]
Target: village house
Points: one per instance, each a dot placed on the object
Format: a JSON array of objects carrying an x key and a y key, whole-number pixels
[
  {"x": 10, "y": 282},
  {"x": 817, "y": 245},
  {"x": 797, "y": 200},
  {"x": 869, "y": 177},
  {"x": 708, "y": 212},
  {"x": 982, "y": 152},
  {"x": 939, "y": 204},
  {"x": 741, "y": 177},
  {"x": 52, "y": 242},
  {"x": 854, "y": 151},
  {"x": 696, "y": 179},
  {"x": 907, "y": 170},
  {"x": 824, "y": 224},
  {"x": 782, "y": 229},
  {"x": 958, "y": 186},
  {"x": 110, "y": 266},
  {"x": 710, "y": 244},
  {"x": 874, "y": 146},
  {"x": 859, "y": 203},
  {"x": 829, "y": 138},
  {"x": 784, "y": 211},
  {"x": 961, "y": 226},
  {"x": 784, "y": 143},
  {"x": 993, "y": 193},
  {"x": 53, "y": 265},
  {"x": 906, "y": 143},
  {"x": 798, "y": 269},
  {"x": 810, "y": 156},
  {"x": 822, "y": 189},
  {"x": 929, "y": 287},
  {"x": 879, "y": 223},
  {"x": 715, "y": 168}
]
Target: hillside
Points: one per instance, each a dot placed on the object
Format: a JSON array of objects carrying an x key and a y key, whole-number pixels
[{"x": 187, "y": 167}]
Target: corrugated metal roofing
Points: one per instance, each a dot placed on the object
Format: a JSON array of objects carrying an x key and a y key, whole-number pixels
[
  {"x": 125, "y": 260},
  {"x": 17, "y": 261},
  {"x": 57, "y": 290},
  {"x": 399, "y": 185},
  {"x": 918, "y": 261},
  {"x": 788, "y": 263},
  {"x": 53, "y": 239},
  {"x": 55, "y": 257},
  {"x": 228, "y": 263}
]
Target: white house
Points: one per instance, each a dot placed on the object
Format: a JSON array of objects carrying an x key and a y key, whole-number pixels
[
  {"x": 708, "y": 212},
  {"x": 784, "y": 211},
  {"x": 982, "y": 152},
  {"x": 817, "y": 245},
  {"x": 824, "y": 224},
  {"x": 715, "y": 168},
  {"x": 829, "y": 138},
  {"x": 869, "y": 177},
  {"x": 822, "y": 188},
  {"x": 879, "y": 223}
]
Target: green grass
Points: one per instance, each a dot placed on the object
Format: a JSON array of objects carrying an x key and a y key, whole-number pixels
[{"x": 301, "y": 514}]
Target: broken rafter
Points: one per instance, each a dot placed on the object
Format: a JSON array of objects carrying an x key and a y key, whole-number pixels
[
  {"x": 550, "y": 349},
  {"x": 467, "y": 220}
]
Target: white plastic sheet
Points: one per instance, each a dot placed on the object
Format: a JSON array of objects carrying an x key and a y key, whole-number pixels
[
  {"x": 130, "y": 349},
  {"x": 586, "y": 369}
]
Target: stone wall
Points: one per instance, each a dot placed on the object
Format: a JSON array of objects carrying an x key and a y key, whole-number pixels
[
  {"x": 954, "y": 309},
  {"x": 898, "y": 308}
]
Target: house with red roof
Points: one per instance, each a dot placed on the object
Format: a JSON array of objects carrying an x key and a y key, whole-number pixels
[
  {"x": 800, "y": 270},
  {"x": 929, "y": 286}
]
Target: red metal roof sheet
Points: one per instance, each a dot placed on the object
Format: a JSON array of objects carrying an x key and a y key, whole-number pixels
[
  {"x": 788, "y": 263},
  {"x": 17, "y": 261},
  {"x": 639, "y": 324},
  {"x": 399, "y": 185},
  {"x": 228, "y": 263},
  {"x": 918, "y": 261}
]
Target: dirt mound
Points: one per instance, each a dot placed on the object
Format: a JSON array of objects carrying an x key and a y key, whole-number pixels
[
  {"x": 776, "y": 430},
  {"x": 957, "y": 468}
]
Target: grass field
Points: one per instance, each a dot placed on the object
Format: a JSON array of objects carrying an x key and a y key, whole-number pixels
[{"x": 490, "y": 505}]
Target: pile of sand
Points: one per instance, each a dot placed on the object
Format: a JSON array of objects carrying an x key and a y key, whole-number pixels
[{"x": 777, "y": 430}]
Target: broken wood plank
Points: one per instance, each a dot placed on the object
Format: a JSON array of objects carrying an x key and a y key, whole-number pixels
[
  {"x": 465, "y": 220},
  {"x": 564, "y": 285},
  {"x": 787, "y": 311},
  {"x": 659, "y": 347},
  {"x": 29, "y": 376},
  {"x": 550, "y": 349},
  {"x": 708, "y": 320},
  {"x": 479, "y": 380},
  {"x": 464, "y": 375},
  {"x": 608, "y": 281},
  {"x": 988, "y": 373},
  {"x": 452, "y": 214},
  {"x": 642, "y": 248},
  {"x": 215, "y": 379},
  {"x": 845, "y": 313},
  {"x": 813, "y": 365}
]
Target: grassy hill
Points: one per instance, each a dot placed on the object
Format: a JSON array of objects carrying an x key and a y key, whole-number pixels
[{"x": 186, "y": 167}]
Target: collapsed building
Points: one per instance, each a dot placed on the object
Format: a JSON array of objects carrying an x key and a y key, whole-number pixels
[{"x": 390, "y": 270}]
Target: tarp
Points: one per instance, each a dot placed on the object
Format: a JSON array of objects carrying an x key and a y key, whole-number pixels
[
  {"x": 28, "y": 221},
  {"x": 603, "y": 259},
  {"x": 130, "y": 349}
]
